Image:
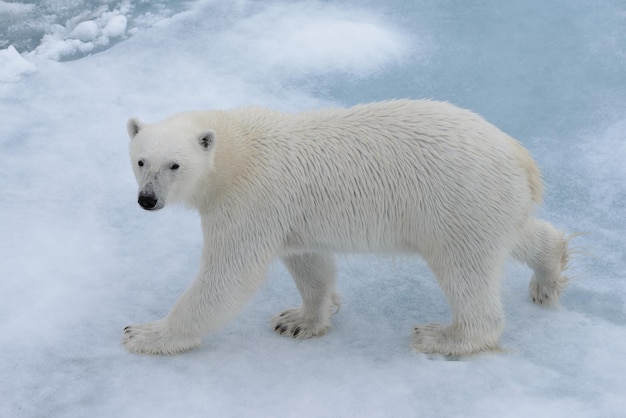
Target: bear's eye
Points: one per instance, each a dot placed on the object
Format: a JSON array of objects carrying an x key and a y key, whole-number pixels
[
  {"x": 174, "y": 166},
  {"x": 140, "y": 163}
]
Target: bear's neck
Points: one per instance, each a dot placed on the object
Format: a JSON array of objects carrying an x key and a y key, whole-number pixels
[{"x": 239, "y": 157}]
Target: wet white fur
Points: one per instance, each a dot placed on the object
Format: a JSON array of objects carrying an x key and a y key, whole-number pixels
[{"x": 403, "y": 176}]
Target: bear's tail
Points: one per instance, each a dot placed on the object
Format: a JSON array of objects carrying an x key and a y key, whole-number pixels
[{"x": 533, "y": 174}]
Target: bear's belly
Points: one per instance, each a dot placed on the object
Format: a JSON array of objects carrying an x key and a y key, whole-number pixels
[{"x": 350, "y": 238}]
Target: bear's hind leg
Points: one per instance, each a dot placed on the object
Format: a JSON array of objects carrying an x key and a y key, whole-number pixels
[
  {"x": 315, "y": 277},
  {"x": 472, "y": 289},
  {"x": 545, "y": 250}
]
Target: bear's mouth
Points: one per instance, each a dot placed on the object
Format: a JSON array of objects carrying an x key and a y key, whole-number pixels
[{"x": 153, "y": 209}]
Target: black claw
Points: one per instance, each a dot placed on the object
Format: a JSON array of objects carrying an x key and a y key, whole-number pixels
[
  {"x": 283, "y": 314},
  {"x": 277, "y": 327},
  {"x": 296, "y": 331},
  {"x": 283, "y": 329}
]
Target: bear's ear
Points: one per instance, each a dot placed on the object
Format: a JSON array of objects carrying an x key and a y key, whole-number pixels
[
  {"x": 133, "y": 126},
  {"x": 207, "y": 139}
]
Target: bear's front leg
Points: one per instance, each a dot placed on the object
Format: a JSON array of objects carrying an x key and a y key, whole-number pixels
[
  {"x": 183, "y": 327},
  {"x": 157, "y": 338},
  {"x": 315, "y": 277},
  {"x": 226, "y": 281}
]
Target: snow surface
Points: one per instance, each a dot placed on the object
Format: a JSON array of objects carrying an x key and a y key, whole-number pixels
[
  {"x": 80, "y": 259},
  {"x": 12, "y": 65}
]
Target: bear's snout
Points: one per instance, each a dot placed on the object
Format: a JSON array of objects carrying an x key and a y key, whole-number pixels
[{"x": 148, "y": 201}]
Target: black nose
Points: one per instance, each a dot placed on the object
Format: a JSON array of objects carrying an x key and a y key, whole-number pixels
[{"x": 147, "y": 202}]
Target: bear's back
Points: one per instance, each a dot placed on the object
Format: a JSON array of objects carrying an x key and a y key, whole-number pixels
[{"x": 400, "y": 166}]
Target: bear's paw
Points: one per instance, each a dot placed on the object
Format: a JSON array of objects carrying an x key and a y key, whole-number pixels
[
  {"x": 156, "y": 338},
  {"x": 546, "y": 292},
  {"x": 294, "y": 323},
  {"x": 449, "y": 341}
]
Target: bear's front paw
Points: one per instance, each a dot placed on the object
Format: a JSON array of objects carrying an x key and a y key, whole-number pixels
[
  {"x": 448, "y": 340},
  {"x": 295, "y": 324},
  {"x": 156, "y": 338}
]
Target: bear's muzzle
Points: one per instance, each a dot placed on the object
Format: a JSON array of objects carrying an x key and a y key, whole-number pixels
[{"x": 148, "y": 201}]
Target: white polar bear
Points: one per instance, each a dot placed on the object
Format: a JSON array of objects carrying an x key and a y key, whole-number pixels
[{"x": 402, "y": 176}]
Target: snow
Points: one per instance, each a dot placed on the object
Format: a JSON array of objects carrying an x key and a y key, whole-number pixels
[
  {"x": 115, "y": 26},
  {"x": 86, "y": 36},
  {"x": 15, "y": 8},
  {"x": 80, "y": 259},
  {"x": 297, "y": 39},
  {"x": 13, "y": 66},
  {"x": 85, "y": 31}
]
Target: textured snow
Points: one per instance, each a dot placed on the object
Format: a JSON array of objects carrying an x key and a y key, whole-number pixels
[
  {"x": 85, "y": 31},
  {"x": 13, "y": 65}
]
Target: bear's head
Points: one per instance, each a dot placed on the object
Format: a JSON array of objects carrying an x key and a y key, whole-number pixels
[{"x": 169, "y": 160}]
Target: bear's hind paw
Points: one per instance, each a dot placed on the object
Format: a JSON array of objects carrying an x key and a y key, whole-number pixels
[
  {"x": 447, "y": 340},
  {"x": 546, "y": 293}
]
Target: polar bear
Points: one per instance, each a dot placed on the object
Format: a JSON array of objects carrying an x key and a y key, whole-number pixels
[{"x": 403, "y": 176}]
